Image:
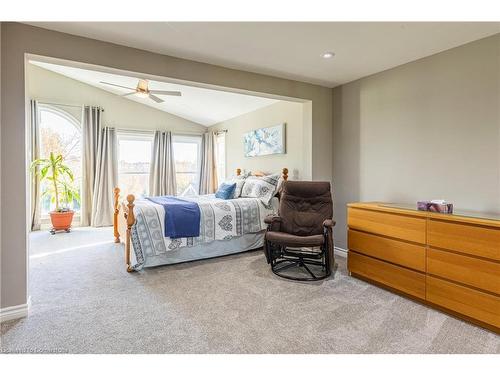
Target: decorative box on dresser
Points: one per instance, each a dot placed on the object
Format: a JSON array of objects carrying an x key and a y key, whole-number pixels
[{"x": 448, "y": 261}]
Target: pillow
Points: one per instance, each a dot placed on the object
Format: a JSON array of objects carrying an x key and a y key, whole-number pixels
[
  {"x": 239, "y": 181},
  {"x": 279, "y": 187},
  {"x": 226, "y": 191},
  {"x": 263, "y": 188}
]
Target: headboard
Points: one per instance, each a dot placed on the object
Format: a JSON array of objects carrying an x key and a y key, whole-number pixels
[{"x": 284, "y": 173}]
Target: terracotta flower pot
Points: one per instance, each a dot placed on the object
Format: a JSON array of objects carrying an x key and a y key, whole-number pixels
[{"x": 61, "y": 220}]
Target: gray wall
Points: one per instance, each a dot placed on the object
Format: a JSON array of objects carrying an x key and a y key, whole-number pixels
[
  {"x": 1, "y": 268},
  {"x": 19, "y": 39},
  {"x": 429, "y": 129}
]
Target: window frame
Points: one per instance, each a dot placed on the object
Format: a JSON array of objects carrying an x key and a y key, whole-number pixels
[
  {"x": 189, "y": 138},
  {"x": 56, "y": 110},
  {"x": 223, "y": 165},
  {"x": 128, "y": 135}
]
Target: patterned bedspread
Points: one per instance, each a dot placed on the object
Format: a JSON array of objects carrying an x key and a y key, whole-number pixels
[{"x": 220, "y": 220}]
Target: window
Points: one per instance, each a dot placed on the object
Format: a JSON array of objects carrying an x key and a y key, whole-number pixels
[
  {"x": 187, "y": 155},
  {"x": 134, "y": 159},
  {"x": 220, "y": 156},
  {"x": 60, "y": 133}
]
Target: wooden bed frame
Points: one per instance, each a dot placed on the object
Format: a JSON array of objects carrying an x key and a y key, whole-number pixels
[{"x": 128, "y": 213}]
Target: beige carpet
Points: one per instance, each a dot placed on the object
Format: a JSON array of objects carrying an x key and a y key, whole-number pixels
[{"x": 83, "y": 301}]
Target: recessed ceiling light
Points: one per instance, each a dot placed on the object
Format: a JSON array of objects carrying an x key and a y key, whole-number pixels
[{"x": 328, "y": 55}]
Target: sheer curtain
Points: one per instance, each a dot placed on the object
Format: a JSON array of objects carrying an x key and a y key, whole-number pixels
[
  {"x": 162, "y": 169},
  {"x": 106, "y": 178},
  {"x": 35, "y": 154},
  {"x": 208, "y": 175}
]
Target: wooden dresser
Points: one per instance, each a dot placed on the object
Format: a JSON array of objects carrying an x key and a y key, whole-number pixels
[{"x": 451, "y": 262}]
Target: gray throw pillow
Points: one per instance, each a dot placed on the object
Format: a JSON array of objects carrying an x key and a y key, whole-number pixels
[
  {"x": 263, "y": 188},
  {"x": 239, "y": 181}
]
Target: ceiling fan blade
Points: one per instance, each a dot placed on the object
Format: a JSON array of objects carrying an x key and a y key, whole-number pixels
[
  {"x": 163, "y": 92},
  {"x": 112, "y": 84},
  {"x": 156, "y": 99},
  {"x": 129, "y": 93}
]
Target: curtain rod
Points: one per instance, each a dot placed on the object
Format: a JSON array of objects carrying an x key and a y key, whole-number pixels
[
  {"x": 125, "y": 129},
  {"x": 64, "y": 105},
  {"x": 129, "y": 130}
]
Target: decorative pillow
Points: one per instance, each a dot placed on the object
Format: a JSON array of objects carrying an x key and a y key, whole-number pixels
[
  {"x": 263, "y": 188},
  {"x": 239, "y": 181},
  {"x": 226, "y": 191}
]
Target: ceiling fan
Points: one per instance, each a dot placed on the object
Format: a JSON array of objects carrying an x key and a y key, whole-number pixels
[{"x": 142, "y": 91}]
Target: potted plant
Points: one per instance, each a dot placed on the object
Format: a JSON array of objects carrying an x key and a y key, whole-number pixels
[{"x": 61, "y": 189}]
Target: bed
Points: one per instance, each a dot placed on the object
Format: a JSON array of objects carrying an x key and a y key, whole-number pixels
[{"x": 225, "y": 227}]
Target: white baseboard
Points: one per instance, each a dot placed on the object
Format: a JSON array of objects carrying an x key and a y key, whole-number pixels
[
  {"x": 340, "y": 252},
  {"x": 15, "y": 312}
]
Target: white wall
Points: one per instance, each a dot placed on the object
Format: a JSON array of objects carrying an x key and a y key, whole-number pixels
[
  {"x": 282, "y": 112},
  {"x": 119, "y": 112},
  {"x": 429, "y": 129}
]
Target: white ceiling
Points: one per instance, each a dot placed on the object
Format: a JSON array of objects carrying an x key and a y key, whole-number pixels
[
  {"x": 289, "y": 50},
  {"x": 203, "y": 106}
]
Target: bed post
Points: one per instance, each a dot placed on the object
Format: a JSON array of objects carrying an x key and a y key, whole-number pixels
[
  {"x": 285, "y": 173},
  {"x": 130, "y": 222},
  {"x": 115, "y": 215},
  {"x": 238, "y": 172}
]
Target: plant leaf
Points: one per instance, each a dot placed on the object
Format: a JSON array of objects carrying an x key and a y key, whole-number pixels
[{"x": 43, "y": 171}]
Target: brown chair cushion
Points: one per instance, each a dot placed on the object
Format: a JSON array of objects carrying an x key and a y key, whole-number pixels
[
  {"x": 304, "y": 206},
  {"x": 287, "y": 239}
]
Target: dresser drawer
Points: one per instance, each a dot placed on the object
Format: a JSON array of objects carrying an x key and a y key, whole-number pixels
[
  {"x": 478, "y": 305},
  {"x": 392, "y": 225},
  {"x": 479, "y": 273},
  {"x": 405, "y": 280},
  {"x": 465, "y": 238},
  {"x": 394, "y": 251}
]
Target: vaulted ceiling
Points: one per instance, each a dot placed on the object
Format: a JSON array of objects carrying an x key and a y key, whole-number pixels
[{"x": 203, "y": 106}]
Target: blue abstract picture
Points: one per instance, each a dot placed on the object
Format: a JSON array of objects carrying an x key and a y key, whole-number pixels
[{"x": 265, "y": 141}]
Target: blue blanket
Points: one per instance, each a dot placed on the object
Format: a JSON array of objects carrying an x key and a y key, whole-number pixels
[{"x": 182, "y": 218}]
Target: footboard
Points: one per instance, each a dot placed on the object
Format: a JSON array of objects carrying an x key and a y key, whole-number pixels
[
  {"x": 116, "y": 231},
  {"x": 128, "y": 214}
]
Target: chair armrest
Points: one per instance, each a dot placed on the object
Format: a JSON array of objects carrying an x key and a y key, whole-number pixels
[
  {"x": 270, "y": 219},
  {"x": 273, "y": 222},
  {"x": 329, "y": 223}
]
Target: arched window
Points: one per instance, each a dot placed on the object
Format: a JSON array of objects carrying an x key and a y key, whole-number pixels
[{"x": 60, "y": 133}]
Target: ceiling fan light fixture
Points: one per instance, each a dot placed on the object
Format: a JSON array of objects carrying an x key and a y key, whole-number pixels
[
  {"x": 327, "y": 55},
  {"x": 142, "y": 91}
]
